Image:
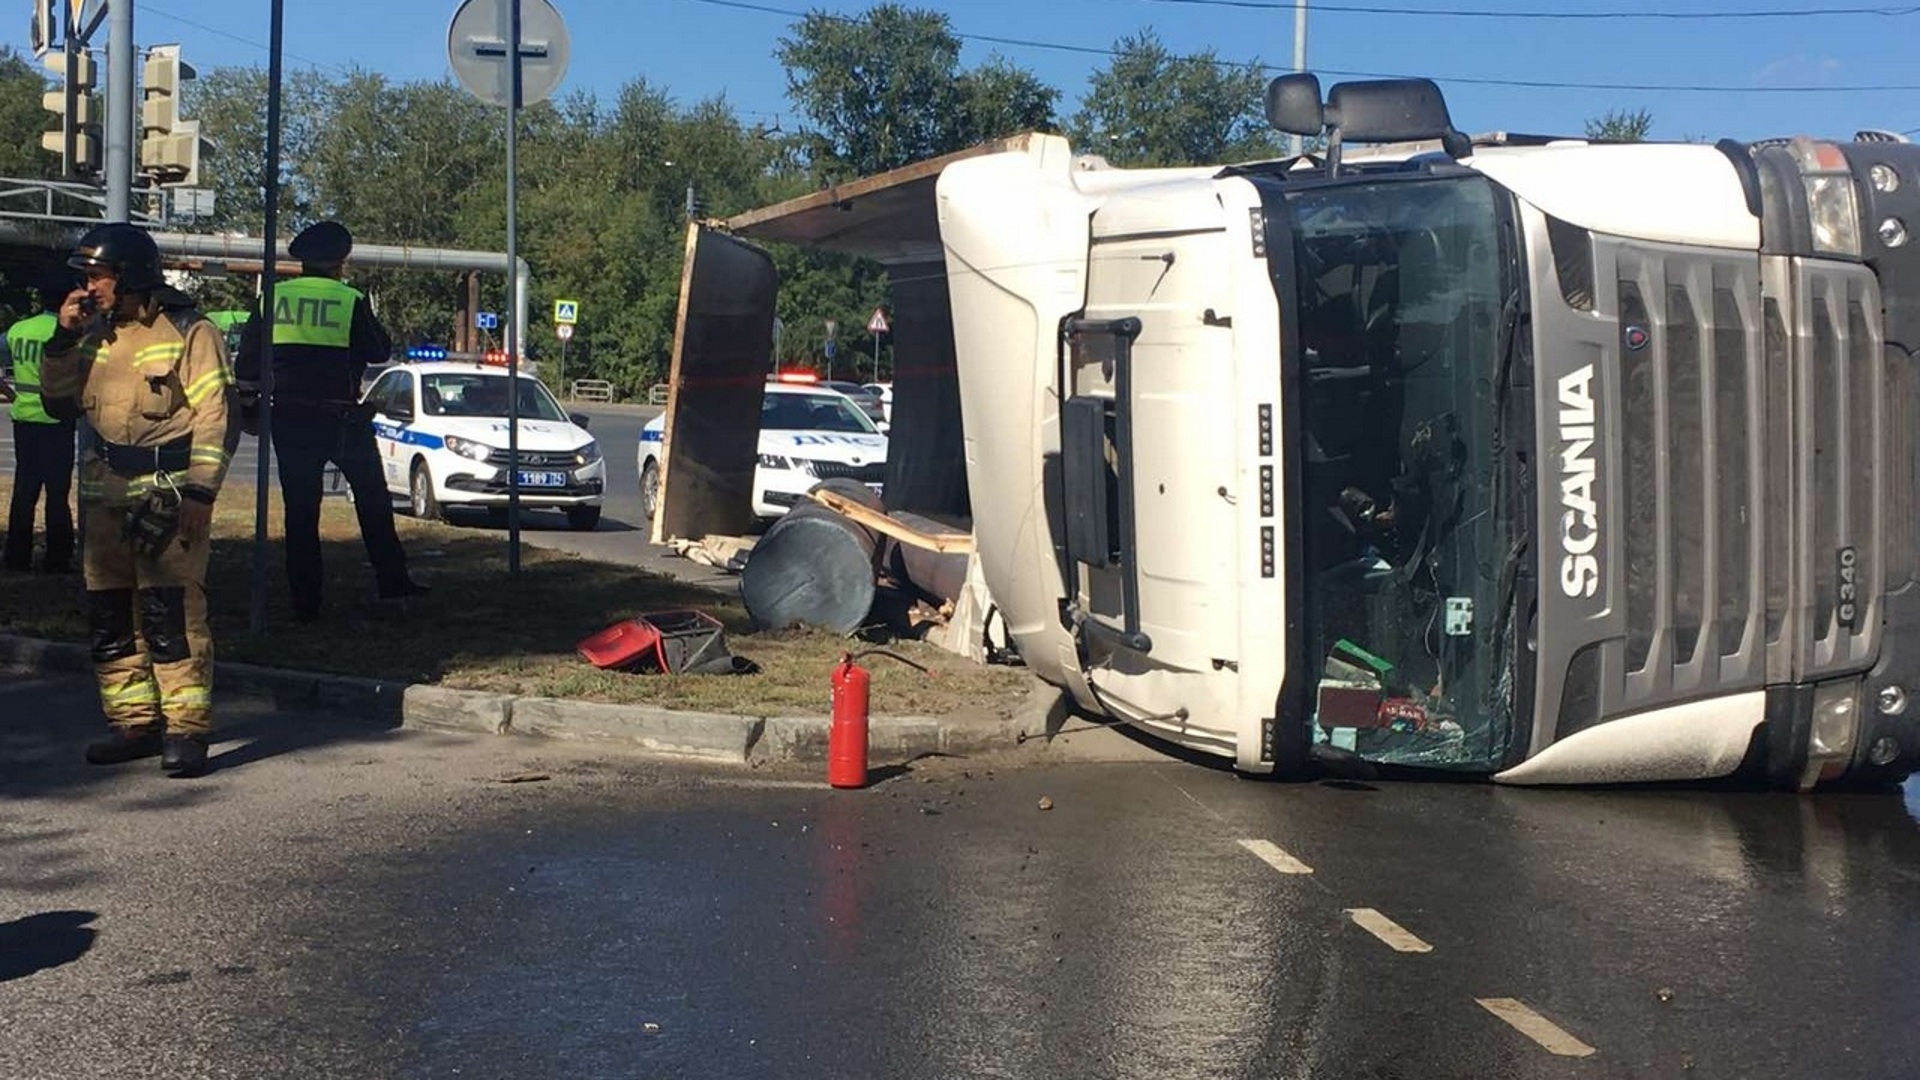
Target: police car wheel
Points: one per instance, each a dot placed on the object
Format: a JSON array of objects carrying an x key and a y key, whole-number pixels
[
  {"x": 420, "y": 494},
  {"x": 583, "y": 518},
  {"x": 650, "y": 489}
]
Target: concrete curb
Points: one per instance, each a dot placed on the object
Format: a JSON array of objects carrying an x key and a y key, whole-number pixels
[{"x": 715, "y": 737}]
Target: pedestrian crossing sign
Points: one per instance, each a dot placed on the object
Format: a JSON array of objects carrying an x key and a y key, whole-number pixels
[{"x": 566, "y": 312}]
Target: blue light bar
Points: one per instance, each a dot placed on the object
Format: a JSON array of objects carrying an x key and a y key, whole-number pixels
[{"x": 426, "y": 352}]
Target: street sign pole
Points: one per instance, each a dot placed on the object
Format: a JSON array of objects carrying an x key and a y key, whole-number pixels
[
  {"x": 257, "y": 610},
  {"x": 483, "y": 34},
  {"x": 513, "y": 284}
]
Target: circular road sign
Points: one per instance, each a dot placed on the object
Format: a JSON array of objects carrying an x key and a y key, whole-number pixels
[
  {"x": 477, "y": 49},
  {"x": 565, "y": 330}
]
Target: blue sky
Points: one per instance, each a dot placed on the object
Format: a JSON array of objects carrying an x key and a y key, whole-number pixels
[{"x": 700, "y": 48}]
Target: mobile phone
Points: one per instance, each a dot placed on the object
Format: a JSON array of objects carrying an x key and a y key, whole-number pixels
[{"x": 88, "y": 305}]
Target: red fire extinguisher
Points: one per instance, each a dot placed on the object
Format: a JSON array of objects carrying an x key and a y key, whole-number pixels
[{"x": 847, "y": 738}]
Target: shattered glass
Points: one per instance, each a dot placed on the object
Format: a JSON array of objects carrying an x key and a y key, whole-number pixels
[{"x": 1400, "y": 295}]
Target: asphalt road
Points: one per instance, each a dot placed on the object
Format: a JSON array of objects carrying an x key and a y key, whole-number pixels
[{"x": 342, "y": 901}]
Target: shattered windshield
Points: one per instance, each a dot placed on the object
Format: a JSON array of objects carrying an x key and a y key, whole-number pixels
[{"x": 1399, "y": 300}]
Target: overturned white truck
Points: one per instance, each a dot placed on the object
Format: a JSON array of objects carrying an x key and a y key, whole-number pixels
[{"x": 1524, "y": 457}]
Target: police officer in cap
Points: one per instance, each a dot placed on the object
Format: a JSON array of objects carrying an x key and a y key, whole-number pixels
[{"x": 324, "y": 336}]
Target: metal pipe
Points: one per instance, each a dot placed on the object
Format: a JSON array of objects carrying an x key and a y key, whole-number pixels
[
  {"x": 397, "y": 256},
  {"x": 121, "y": 107}
]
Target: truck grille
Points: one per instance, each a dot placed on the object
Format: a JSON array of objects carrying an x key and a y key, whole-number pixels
[{"x": 1752, "y": 448}]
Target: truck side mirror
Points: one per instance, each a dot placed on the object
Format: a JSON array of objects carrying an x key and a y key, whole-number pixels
[
  {"x": 1293, "y": 104},
  {"x": 580, "y": 419}
]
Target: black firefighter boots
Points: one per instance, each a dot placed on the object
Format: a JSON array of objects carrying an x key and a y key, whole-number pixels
[
  {"x": 124, "y": 745},
  {"x": 185, "y": 756}
]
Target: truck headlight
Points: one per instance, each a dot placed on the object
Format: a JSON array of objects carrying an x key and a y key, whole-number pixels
[
  {"x": 587, "y": 454},
  {"x": 468, "y": 448},
  {"x": 1836, "y": 725},
  {"x": 1832, "y": 205}
]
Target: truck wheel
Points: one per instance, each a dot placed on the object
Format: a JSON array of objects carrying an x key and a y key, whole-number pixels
[
  {"x": 583, "y": 518},
  {"x": 650, "y": 489},
  {"x": 420, "y": 494}
]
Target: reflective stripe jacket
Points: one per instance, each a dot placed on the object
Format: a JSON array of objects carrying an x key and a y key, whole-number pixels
[
  {"x": 143, "y": 382},
  {"x": 26, "y": 341},
  {"x": 324, "y": 336}
]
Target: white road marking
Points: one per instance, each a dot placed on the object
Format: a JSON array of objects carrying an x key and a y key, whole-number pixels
[
  {"x": 1271, "y": 854},
  {"x": 1387, "y": 930},
  {"x": 1536, "y": 1027}
]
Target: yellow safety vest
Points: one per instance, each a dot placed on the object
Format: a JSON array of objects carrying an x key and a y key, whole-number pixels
[
  {"x": 27, "y": 341},
  {"x": 313, "y": 311}
]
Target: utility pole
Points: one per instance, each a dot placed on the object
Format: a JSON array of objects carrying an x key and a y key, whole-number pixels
[
  {"x": 1295, "y": 143},
  {"x": 120, "y": 110}
]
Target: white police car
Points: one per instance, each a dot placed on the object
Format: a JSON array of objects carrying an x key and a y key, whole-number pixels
[
  {"x": 807, "y": 434},
  {"x": 441, "y": 427}
]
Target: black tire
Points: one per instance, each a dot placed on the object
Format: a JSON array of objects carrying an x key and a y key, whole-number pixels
[
  {"x": 650, "y": 489},
  {"x": 420, "y": 497},
  {"x": 583, "y": 518}
]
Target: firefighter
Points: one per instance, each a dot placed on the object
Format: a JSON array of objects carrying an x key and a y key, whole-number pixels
[
  {"x": 150, "y": 375},
  {"x": 324, "y": 336},
  {"x": 42, "y": 445}
]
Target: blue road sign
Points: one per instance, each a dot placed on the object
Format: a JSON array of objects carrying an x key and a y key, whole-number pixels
[
  {"x": 830, "y": 344},
  {"x": 486, "y": 320}
]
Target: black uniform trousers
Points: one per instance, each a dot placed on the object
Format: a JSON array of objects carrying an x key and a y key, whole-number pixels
[
  {"x": 43, "y": 465},
  {"x": 304, "y": 440}
]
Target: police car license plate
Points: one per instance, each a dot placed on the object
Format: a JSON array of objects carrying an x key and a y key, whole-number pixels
[{"x": 543, "y": 479}]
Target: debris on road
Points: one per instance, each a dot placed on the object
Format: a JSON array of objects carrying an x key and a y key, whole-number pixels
[
  {"x": 726, "y": 553},
  {"x": 1046, "y": 802},
  {"x": 665, "y": 642},
  {"x": 522, "y": 778}
]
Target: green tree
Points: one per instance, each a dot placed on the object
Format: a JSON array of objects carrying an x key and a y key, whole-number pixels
[
  {"x": 1151, "y": 107},
  {"x": 231, "y": 105},
  {"x": 887, "y": 89},
  {"x": 1619, "y": 125}
]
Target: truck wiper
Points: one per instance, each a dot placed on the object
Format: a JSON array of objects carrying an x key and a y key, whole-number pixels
[{"x": 1503, "y": 374}]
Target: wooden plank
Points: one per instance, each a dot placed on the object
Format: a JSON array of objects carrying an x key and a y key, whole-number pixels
[{"x": 945, "y": 543}]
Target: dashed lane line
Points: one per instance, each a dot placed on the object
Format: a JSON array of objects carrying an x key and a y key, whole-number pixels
[
  {"x": 1536, "y": 1027},
  {"x": 1387, "y": 930},
  {"x": 1270, "y": 853}
]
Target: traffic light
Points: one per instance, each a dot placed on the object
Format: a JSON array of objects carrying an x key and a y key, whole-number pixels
[
  {"x": 77, "y": 138},
  {"x": 169, "y": 146}
]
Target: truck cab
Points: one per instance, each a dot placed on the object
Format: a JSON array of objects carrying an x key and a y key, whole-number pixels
[{"x": 1537, "y": 459}]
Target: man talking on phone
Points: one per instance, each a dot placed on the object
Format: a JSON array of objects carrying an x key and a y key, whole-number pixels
[{"x": 150, "y": 375}]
